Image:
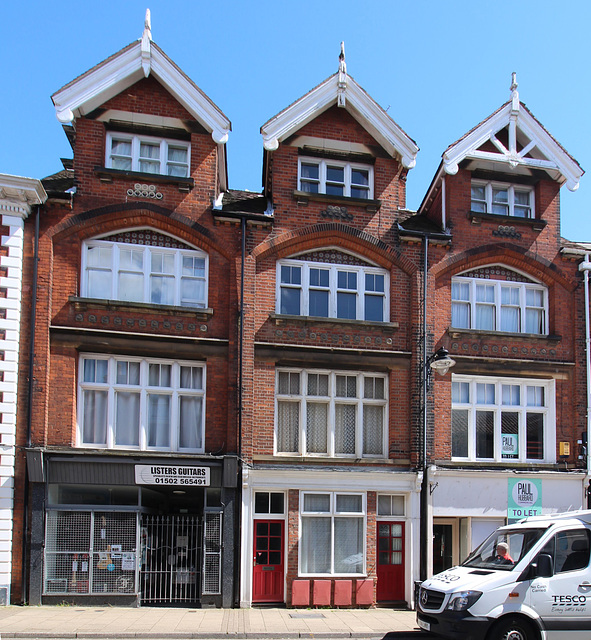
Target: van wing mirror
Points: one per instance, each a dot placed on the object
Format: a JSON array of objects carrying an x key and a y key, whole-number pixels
[{"x": 544, "y": 566}]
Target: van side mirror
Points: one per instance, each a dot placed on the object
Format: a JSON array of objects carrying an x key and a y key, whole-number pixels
[{"x": 544, "y": 566}]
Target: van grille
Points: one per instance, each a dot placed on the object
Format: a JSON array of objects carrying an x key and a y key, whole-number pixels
[{"x": 430, "y": 599}]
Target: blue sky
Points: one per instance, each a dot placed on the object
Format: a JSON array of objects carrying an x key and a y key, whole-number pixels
[{"x": 438, "y": 68}]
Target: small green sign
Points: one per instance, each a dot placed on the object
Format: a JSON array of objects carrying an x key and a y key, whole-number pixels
[{"x": 525, "y": 498}]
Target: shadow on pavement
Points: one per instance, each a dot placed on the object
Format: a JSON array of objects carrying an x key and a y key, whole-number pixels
[{"x": 404, "y": 635}]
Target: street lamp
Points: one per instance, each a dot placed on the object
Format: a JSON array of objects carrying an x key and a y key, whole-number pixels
[{"x": 441, "y": 362}]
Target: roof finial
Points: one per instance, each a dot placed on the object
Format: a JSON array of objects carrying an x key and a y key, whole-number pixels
[
  {"x": 148, "y": 24},
  {"x": 342, "y": 80},
  {"x": 514, "y": 92},
  {"x": 145, "y": 44}
]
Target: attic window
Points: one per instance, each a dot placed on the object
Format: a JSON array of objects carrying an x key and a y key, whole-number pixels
[
  {"x": 147, "y": 154},
  {"x": 502, "y": 199},
  {"x": 336, "y": 178}
]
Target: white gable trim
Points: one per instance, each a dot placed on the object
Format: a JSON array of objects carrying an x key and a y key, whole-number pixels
[
  {"x": 125, "y": 68},
  {"x": 357, "y": 102},
  {"x": 556, "y": 158}
]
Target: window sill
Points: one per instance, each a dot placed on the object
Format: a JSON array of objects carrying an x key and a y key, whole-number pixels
[
  {"x": 195, "y": 312},
  {"x": 321, "y": 459},
  {"x": 106, "y": 175},
  {"x": 279, "y": 318},
  {"x": 480, "y": 333},
  {"x": 302, "y": 197},
  {"x": 477, "y": 217}
]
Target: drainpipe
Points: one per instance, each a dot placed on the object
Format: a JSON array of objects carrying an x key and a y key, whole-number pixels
[
  {"x": 25, "y": 551},
  {"x": 424, "y": 497},
  {"x": 585, "y": 267}
]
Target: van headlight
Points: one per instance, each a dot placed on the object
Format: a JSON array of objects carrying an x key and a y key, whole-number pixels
[{"x": 462, "y": 600}]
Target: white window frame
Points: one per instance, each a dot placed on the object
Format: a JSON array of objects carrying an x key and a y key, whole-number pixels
[
  {"x": 511, "y": 205},
  {"x": 268, "y": 515},
  {"x": 333, "y": 289},
  {"x": 116, "y": 269},
  {"x": 332, "y": 514},
  {"x": 391, "y": 497},
  {"x": 498, "y": 305},
  {"x": 522, "y": 409},
  {"x": 323, "y": 164},
  {"x": 111, "y": 387},
  {"x": 359, "y": 402},
  {"x": 135, "y": 140}
]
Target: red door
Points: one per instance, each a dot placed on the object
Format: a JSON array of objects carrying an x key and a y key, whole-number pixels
[
  {"x": 390, "y": 561},
  {"x": 267, "y": 582}
]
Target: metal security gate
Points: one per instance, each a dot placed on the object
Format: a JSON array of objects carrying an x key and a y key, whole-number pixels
[{"x": 171, "y": 559}]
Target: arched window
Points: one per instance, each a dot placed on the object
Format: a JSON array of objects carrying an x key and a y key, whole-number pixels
[
  {"x": 144, "y": 266},
  {"x": 495, "y": 298}
]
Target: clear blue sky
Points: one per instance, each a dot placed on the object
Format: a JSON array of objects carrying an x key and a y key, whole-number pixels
[{"x": 439, "y": 68}]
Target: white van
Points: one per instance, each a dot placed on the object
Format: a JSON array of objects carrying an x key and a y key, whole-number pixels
[{"x": 527, "y": 581}]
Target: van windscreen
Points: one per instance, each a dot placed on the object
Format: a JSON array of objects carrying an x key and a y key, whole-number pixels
[{"x": 503, "y": 549}]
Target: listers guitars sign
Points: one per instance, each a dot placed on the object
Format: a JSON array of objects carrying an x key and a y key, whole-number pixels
[{"x": 172, "y": 475}]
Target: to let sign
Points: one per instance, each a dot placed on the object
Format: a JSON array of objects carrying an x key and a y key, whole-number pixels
[
  {"x": 525, "y": 498},
  {"x": 172, "y": 475}
]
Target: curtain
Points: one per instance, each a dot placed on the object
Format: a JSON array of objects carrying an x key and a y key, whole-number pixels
[
  {"x": 159, "y": 421},
  {"x": 94, "y": 430},
  {"x": 316, "y": 545},
  {"x": 190, "y": 428},
  {"x": 345, "y": 429},
  {"x": 316, "y": 427},
  {"x": 348, "y": 545},
  {"x": 288, "y": 427},
  {"x": 373, "y": 430},
  {"x": 127, "y": 418}
]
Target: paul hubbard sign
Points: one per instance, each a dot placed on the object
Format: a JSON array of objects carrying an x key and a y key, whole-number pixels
[
  {"x": 525, "y": 498},
  {"x": 172, "y": 475}
]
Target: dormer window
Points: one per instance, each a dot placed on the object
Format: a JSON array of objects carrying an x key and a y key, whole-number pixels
[
  {"x": 502, "y": 199},
  {"x": 335, "y": 178},
  {"x": 147, "y": 154}
]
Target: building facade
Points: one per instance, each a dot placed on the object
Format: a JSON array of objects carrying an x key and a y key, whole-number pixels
[{"x": 231, "y": 397}]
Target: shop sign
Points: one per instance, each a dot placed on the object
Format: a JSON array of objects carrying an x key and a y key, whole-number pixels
[
  {"x": 172, "y": 475},
  {"x": 525, "y": 498}
]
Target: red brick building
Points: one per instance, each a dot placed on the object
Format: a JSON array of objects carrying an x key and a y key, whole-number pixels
[{"x": 190, "y": 339}]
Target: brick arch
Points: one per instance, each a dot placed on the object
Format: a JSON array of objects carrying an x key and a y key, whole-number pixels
[
  {"x": 113, "y": 218},
  {"x": 508, "y": 255},
  {"x": 340, "y": 235}
]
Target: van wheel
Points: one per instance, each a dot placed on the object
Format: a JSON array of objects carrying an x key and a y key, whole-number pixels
[{"x": 513, "y": 629}]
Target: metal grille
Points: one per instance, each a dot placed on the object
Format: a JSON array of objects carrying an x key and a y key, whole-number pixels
[
  {"x": 171, "y": 557},
  {"x": 212, "y": 561},
  {"x": 430, "y": 599},
  {"x": 90, "y": 552}
]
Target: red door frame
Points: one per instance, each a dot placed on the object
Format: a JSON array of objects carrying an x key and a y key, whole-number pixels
[{"x": 268, "y": 575}]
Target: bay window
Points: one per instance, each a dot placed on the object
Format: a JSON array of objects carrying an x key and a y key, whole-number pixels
[
  {"x": 325, "y": 290},
  {"x": 502, "y": 199},
  {"x": 322, "y": 413},
  {"x": 144, "y": 273},
  {"x": 502, "y": 419},
  {"x": 133, "y": 403},
  {"x": 148, "y": 154},
  {"x": 335, "y": 178},
  {"x": 332, "y": 533},
  {"x": 499, "y": 305}
]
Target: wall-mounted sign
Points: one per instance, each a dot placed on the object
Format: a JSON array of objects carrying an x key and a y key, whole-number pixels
[
  {"x": 172, "y": 475},
  {"x": 525, "y": 498},
  {"x": 510, "y": 445}
]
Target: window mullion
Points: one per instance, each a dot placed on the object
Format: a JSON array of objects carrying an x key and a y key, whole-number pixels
[
  {"x": 359, "y": 417},
  {"x": 143, "y": 410},
  {"x": 511, "y": 199},
  {"x": 360, "y": 314},
  {"x": 163, "y": 157},
  {"x": 305, "y": 290},
  {"x": 333, "y": 282},
  {"x": 135, "y": 153},
  {"x": 111, "y": 368},
  {"x": 322, "y": 176}
]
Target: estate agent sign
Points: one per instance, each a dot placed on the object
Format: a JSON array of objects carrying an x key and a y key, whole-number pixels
[{"x": 525, "y": 498}]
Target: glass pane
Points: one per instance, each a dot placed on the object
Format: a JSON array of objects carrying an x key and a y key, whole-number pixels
[
  {"x": 291, "y": 275},
  {"x": 478, "y": 192},
  {"x": 99, "y": 257},
  {"x": 534, "y": 321},
  {"x": 123, "y": 164},
  {"x": 319, "y": 277},
  {"x": 535, "y": 436},
  {"x": 288, "y": 382},
  {"x": 360, "y": 177},
  {"x": 460, "y": 291},
  {"x": 121, "y": 147},
  {"x": 373, "y": 430},
  {"x": 345, "y": 431},
  {"x": 127, "y": 418},
  {"x": 396, "y": 533},
  {"x": 346, "y": 386},
  {"x": 374, "y": 282},
  {"x": 509, "y": 435},
  {"x": 500, "y": 195},
  {"x": 192, "y": 378},
  {"x": 522, "y": 197},
  {"x": 177, "y": 154},
  {"x": 510, "y": 319},
  {"x": 347, "y": 280},
  {"x": 511, "y": 394},
  {"x": 193, "y": 266},
  {"x": 485, "y": 393},
  {"x": 335, "y": 190},
  {"x": 162, "y": 290},
  {"x": 485, "y": 293},
  {"x": 277, "y": 503},
  {"x": 261, "y": 502},
  {"x": 131, "y": 287},
  {"x": 288, "y": 427},
  {"x": 317, "y": 384},
  {"x": 396, "y": 557},
  {"x": 316, "y": 545},
  {"x": 316, "y": 428},
  {"x": 484, "y": 434},
  {"x": 348, "y": 545},
  {"x": 360, "y": 192},
  {"x": 190, "y": 423},
  {"x": 460, "y": 392},
  {"x": 384, "y": 509},
  {"x": 158, "y": 421},
  {"x": 534, "y": 298},
  {"x": 262, "y": 528},
  {"x": 374, "y": 308},
  {"x": 460, "y": 315},
  {"x": 192, "y": 292},
  {"x": 316, "y": 502},
  {"x": 310, "y": 171},
  {"x": 349, "y": 504},
  {"x": 384, "y": 529},
  {"x": 535, "y": 397},
  {"x": 149, "y": 150},
  {"x": 94, "y": 428},
  {"x": 459, "y": 433},
  {"x": 335, "y": 174},
  {"x": 290, "y": 301},
  {"x": 309, "y": 187},
  {"x": 178, "y": 170},
  {"x": 318, "y": 303},
  {"x": 346, "y": 305}
]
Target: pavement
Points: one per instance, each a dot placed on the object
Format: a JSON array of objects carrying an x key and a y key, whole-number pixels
[{"x": 64, "y": 622}]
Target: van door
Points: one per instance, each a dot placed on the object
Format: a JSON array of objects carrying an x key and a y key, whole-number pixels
[{"x": 563, "y": 601}]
